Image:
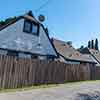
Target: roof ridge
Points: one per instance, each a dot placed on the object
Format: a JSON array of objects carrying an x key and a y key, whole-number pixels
[{"x": 11, "y": 22}]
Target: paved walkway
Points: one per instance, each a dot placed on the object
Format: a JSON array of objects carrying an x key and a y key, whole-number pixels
[{"x": 77, "y": 91}]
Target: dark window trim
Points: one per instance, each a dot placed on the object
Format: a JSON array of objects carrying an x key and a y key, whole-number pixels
[
  {"x": 31, "y": 22},
  {"x": 26, "y": 21}
]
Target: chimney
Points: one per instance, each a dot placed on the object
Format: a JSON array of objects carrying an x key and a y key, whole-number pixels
[{"x": 30, "y": 13}]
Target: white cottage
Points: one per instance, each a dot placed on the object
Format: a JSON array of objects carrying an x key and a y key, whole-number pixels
[{"x": 26, "y": 37}]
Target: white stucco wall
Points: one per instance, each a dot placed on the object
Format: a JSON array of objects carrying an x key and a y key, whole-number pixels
[{"x": 14, "y": 38}]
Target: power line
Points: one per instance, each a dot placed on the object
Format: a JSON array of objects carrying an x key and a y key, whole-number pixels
[{"x": 42, "y": 6}]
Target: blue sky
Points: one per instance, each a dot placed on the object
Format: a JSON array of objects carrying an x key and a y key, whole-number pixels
[{"x": 74, "y": 20}]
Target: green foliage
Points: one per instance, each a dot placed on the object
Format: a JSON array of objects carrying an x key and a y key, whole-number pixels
[
  {"x": 96, "y": 44},
  {"x": 92, "y": 44},
  {"x": 6, "y": 21},
  {"x": 2, "y": 22},
  {"x": 89, "y": 44}
]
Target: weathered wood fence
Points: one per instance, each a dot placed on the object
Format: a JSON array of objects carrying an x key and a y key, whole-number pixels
[
  {"x": 15, "y": 72},
  {"x": 97, "y": 73}
]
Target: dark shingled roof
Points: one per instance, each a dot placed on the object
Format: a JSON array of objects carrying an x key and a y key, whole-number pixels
[{"x": 29, "y": 16}]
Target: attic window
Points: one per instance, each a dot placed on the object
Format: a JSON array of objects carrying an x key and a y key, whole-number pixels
[{"x": 31, "y": 27}]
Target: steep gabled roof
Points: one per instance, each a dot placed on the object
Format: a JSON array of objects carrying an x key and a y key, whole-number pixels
[
  {"x": 29, "y": 16},
  {"x": 95, "y": 54},
  {"x": 62, "y": 46},
  {"x": 70, "y": 53},
  {"x": 10, "y": 23}
]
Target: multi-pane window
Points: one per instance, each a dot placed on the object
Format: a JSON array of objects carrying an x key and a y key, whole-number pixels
[
  {"x": 34, "y": 29},
  {"x": 31, "y": 27},
  {"x": 27, "y": 27}
]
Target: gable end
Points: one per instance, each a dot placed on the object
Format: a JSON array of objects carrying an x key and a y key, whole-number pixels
[{"x": 50, "y": 40}]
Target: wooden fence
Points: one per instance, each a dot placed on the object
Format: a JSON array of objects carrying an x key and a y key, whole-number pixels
[
  {"x": 16, "y": 72},
  {"x": 97, "y": 73}
]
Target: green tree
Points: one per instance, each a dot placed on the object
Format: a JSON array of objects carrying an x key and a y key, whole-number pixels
[
  {"x": 89, "y": 44},
  {"x": 2, "y": 22},
  {"x": 96, "y": 44},
  {"x": 6, "y": 21},
  {"x": 92, "y": 44}
]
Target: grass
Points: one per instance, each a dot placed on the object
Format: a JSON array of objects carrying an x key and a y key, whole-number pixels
[
  {"x": 28, "y": 88},
  {"x": 45, "y": 86}
]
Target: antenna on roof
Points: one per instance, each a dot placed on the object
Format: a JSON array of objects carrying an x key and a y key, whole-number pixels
[{"x": 41, "y": 18}]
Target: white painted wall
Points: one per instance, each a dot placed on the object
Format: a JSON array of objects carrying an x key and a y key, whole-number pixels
[{"x": 14, "y": 38}]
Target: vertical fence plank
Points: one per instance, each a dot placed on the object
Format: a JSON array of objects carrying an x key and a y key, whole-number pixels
[{"x": 16, "y": 72}]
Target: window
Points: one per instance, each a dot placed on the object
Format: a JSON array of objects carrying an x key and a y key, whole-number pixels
[
  {"x": 27, "y": 26},
  {"x": 31, "y": 27},
  {"x": 12, "y": 53},
  {"x": 34, "y": 29}
]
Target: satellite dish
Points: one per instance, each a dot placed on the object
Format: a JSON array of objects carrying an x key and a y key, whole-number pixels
[{"x": 41, "y": 18}]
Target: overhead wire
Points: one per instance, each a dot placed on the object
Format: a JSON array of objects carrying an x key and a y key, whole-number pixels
[{"x": 42, "y": 6}]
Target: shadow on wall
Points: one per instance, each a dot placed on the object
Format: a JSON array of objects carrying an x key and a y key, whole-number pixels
[{"x": 88, "y": 96}]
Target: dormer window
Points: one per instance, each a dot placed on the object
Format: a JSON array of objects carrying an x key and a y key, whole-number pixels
[
  {"x": 31, "y": 27},
  {"x": 34, "y": 28},
  {"x": 27, "y": 26}
]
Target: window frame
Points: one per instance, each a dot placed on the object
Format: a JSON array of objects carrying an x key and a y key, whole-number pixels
[
  {"x": 31, "y": 23},
  {"x": 24, "y": 28}
]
